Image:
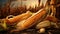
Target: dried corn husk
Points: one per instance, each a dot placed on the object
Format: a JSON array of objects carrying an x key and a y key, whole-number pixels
[{"x": 43, "y": 24}]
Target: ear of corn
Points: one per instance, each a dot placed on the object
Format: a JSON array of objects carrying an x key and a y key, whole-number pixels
[
  {"x": 19, "y": 17},
  {"x": 31, "y": 20}
]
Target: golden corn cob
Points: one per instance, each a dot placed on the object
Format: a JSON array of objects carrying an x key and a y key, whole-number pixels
[
  {"x": 19, "y": 17},
  {"x": 31, "y": 20}
]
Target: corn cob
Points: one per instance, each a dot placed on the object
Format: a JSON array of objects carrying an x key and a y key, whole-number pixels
[
  {"x": 31, "y": 20},
  {"x": 19, "y": 17}
]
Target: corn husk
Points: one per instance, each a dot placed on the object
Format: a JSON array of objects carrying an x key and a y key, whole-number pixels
[{"x": 43, "y": 24}]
